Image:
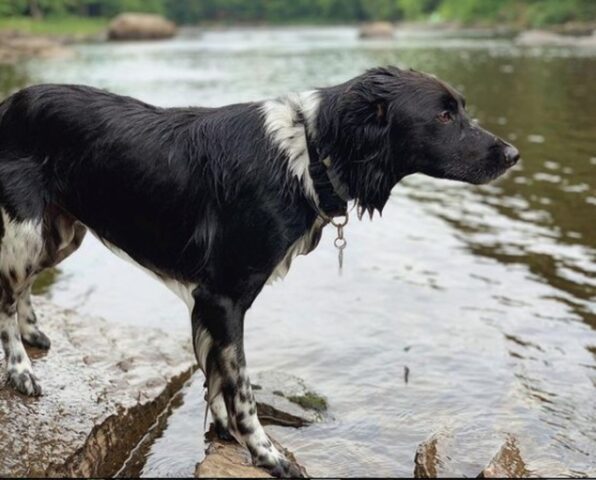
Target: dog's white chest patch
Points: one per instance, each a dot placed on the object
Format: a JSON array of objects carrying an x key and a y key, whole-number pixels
[{"x": 284, "y": 126}]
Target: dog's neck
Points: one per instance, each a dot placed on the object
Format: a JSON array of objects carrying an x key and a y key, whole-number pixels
[{"x": 333, "y": 193}]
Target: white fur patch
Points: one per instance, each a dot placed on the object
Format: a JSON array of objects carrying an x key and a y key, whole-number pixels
[
  {"x": 202, "y": 344},
  {"x": 21, "y": 247},
  {"x": 281, "y": 123},
  {"x": 219, "y": 410}
]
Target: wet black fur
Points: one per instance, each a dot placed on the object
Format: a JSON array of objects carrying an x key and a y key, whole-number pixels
[{"x": 203, "y": 195}]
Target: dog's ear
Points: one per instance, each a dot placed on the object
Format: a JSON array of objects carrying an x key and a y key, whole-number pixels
[
  {"x": 363, "y": 142},
  {"x": 368, "y": 97}
]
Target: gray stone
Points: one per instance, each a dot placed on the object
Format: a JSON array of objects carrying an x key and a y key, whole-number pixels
[{"x": 103, "y": 387}]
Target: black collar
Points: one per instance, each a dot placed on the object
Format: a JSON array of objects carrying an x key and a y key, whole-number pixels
[{"x": 333, "y": 194}]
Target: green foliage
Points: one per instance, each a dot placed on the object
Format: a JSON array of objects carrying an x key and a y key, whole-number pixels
[
  {"x": 532, "y": 12},
  {"x": 61, "y": 26},
  {"x": 560, "y": 11}
]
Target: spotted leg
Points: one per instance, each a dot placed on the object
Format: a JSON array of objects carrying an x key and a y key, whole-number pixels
[
  {"x": 20, "y": 373},
  {"x": 20, "y": 253},
  {"x": 218, "y": 339},
  {"x": 30, "y": 332}
]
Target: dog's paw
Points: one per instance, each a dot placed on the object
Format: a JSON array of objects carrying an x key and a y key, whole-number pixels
[
  {"x": 287, "y": 469},
  {"x": 24, "y": 382},
  {"x": 222, "y": 432},
  {"x": 37, "y": 338}
]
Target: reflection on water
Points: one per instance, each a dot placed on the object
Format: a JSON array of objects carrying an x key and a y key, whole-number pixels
[{"x": 486, "y": 294}]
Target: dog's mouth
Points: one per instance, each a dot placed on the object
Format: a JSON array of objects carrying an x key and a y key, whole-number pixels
[{"x": 481, "y": 172}]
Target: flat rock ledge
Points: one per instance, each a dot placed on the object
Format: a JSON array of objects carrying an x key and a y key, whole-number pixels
[
  {"x": 283, "y": 400},
  {"x": 103, "y": 387}
]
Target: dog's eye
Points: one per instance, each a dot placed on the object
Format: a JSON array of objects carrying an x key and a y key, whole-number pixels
[{"x": 445, "y": 117}]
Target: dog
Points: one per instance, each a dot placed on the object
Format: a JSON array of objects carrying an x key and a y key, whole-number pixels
[{"x": 214, "y": 202}]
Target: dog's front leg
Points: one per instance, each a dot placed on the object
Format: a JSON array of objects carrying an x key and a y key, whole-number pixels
[{"x": 218, "y": 322}]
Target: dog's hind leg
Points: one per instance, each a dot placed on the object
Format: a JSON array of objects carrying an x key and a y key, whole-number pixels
[
  {"x": 20, "y": 252},
  {"x": 218, "y": 322},
  {"x": 62, "y": 237}
]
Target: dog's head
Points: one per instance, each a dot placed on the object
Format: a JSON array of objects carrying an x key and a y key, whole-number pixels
[{"x": 389, "y": 123}]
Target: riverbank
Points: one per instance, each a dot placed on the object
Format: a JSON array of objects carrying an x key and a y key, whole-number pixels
[
  {"x": 24, "y": 38},
  {"x": 66, "y": 28}
]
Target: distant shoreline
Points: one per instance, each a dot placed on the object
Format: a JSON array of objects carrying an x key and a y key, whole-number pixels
[
  {"x": 22, "y": 38},
  {"x": 85, "y": 28}
]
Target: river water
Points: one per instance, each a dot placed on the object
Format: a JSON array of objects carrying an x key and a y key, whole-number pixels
[{"x": 486, "y": 294}]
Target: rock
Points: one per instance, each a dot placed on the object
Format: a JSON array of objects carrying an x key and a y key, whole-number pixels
[
  {"x": 284, "y": 399},
  {"x": 376, "y": 30},
  {"x": 543, "y": 38},
  {"x": 427, "y": 461},
  {"x": 103, "y": 387},
  {"x": 140, "y": 26},
  {"x": 507, "y": 463},
  {"x": 230, "y": 460}
]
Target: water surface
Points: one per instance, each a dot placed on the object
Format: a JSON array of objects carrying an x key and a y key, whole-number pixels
[{"x": 487, "y": 294}]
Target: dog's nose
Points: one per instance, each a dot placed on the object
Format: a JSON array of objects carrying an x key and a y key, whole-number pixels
[{"x": 511, "y": 155}]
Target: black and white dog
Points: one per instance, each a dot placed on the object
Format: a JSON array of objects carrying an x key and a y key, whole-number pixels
[{"x": 213, "y": 201}]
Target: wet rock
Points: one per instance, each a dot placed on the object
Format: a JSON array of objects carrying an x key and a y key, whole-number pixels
[
  {"x": 103, "y": 387},
  {"x": 376, "y": 30},
  {"x": 284, "y": 399},
  {"x": 543, "y": 38},
  {"x": 427, "y": 461},
  {"x": 140, "y": 26},
  {"x": 230, "y": 460},
  {"x": 507, "y": 463}
]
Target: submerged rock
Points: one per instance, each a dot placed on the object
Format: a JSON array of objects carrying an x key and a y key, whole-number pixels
[
  {"x": 284, "y": 399},
  {"x": 140, "y": 26},
  {"x": 103, "y": 387}
]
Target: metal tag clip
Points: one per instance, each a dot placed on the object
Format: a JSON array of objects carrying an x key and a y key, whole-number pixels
[{"x": 340, "y": 242}]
